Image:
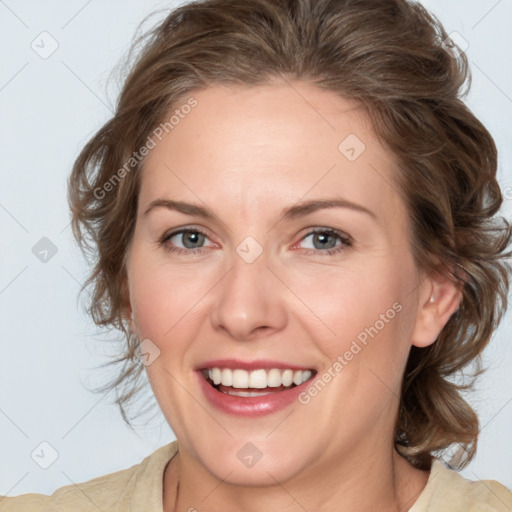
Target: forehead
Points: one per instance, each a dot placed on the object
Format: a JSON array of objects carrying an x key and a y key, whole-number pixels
[{"x": 251, "y": 148}]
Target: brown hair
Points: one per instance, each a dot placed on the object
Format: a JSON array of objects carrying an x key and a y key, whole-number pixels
[{"x": 390, "y": 55}]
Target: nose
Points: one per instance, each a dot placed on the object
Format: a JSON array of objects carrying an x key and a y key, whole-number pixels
[{"x": 250, "y": 301}]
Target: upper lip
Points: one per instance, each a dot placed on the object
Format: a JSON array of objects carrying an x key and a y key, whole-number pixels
[{"x": 257, "y": 364}]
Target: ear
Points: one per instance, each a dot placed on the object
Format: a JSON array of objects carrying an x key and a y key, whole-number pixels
[{"x": 439, "y": 298}]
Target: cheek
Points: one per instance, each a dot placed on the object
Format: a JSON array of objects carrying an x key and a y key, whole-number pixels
[
  {"x": 356, "y": 304},
  {"x": 363, "y": 338},
  {"x": 364, "y": 334},
  {"x": 164, "y": 297}
]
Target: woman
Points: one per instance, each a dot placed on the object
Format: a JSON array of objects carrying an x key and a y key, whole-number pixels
[{"x": 294, "y": 215}]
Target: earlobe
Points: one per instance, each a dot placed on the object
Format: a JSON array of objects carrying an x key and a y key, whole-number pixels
[{"x": 439, "y": 299}]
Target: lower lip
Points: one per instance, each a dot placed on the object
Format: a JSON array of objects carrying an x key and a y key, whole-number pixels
[{"x": 250, "y": 405}]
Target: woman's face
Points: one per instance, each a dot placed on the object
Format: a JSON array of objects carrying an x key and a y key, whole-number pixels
[{"x": 296, "y": 256}]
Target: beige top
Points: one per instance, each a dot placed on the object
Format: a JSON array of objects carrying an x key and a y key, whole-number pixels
[{"x": 139, "y": 488}]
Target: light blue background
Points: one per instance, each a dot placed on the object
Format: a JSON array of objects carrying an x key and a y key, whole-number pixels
[{"x": 49, "y": 109}]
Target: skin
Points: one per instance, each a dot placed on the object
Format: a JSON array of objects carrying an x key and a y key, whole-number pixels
[{"x": 247, "y": 153}]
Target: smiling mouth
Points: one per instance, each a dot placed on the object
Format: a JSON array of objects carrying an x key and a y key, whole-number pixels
[{"x": 238, "y": 382}]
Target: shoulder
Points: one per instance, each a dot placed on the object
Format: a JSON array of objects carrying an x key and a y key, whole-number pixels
[
  {"x": 138, "y": 486},
  {"x": 447, "y": 488}
]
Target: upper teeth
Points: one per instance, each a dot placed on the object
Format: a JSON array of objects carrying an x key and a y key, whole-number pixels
[{"x": 258, "y": 378}]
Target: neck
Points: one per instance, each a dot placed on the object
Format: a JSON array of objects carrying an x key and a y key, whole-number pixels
[{"x": 361, "y": 481}]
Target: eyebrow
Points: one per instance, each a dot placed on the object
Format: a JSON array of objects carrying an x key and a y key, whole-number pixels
[{"x": 292, "y": 212}]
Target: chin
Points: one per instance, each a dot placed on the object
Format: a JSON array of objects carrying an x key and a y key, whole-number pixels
[{"x": 253, "y": 463}]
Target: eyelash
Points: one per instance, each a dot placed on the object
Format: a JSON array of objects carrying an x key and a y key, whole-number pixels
[{"x": 345, "y": 239}]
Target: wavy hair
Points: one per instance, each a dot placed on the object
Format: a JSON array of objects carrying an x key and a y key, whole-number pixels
[{"x": 397, "y": 61}]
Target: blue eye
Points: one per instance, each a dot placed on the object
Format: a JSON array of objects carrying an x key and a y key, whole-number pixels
[
  {"x": 327, "y": 241},
  {"x": 191, "y": 240},
  {"x": 322, "y": 241}
]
